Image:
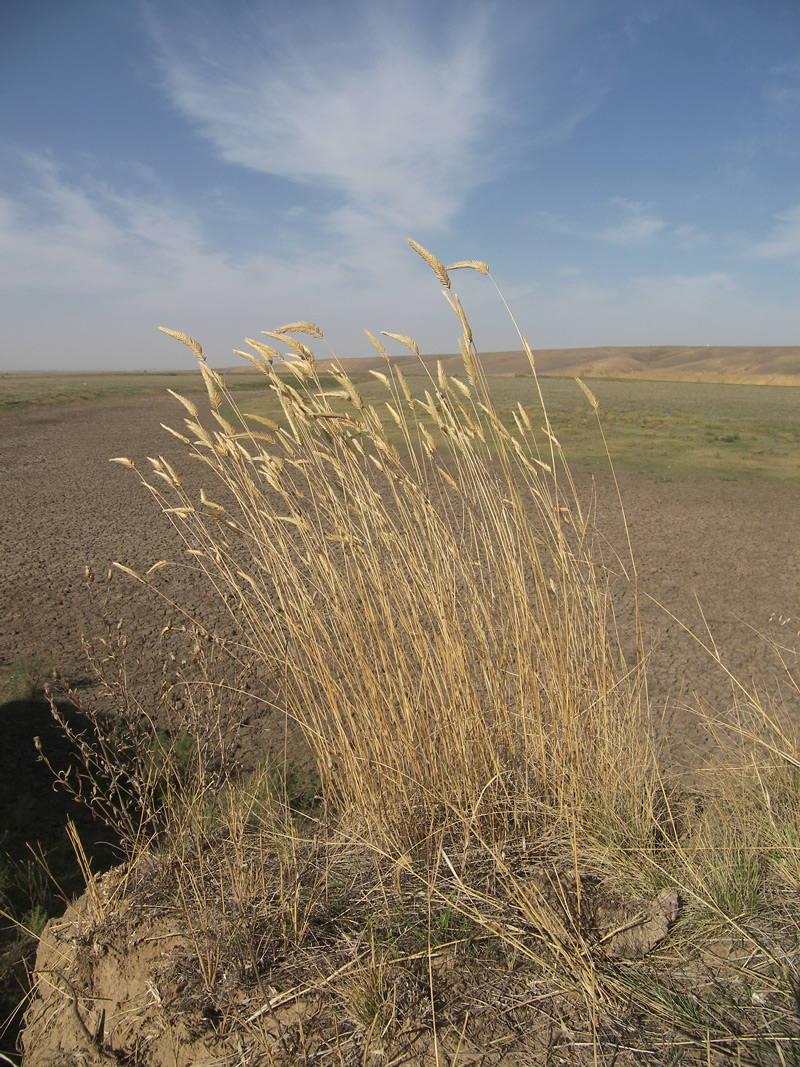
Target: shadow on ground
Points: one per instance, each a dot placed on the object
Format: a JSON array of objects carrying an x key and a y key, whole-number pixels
[{"x": 38, "y": 866}]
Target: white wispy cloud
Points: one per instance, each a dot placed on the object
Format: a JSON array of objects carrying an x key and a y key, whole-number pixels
[
  {"x": 683, "y": 290},
  {"x": 70, "y": 236},
  {"x": 358, "y": 101},
  {"x": 634, "y": 224},
  {"x": 710, "y": 307},
  {"x": 89, "y": 269},
  {"x": 783, "y": 241},
  {"x": 638, "y": 224}
]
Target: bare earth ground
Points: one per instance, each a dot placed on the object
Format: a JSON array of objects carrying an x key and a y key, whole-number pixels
[
  {"x": 732, "y": 546},
  {"x": 66, "y": 508}
]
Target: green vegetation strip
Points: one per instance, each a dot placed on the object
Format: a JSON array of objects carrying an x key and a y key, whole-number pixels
[
  {"x": 31, "y": 390},
  {"x": 668, "y": 430},
  {"x": 678, "y": 430}
]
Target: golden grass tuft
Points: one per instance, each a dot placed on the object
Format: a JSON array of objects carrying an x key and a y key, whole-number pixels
[{"x": 440, "y": 619}]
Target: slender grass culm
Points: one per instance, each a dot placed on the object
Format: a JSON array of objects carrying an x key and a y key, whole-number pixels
[{"x": 423, "y": 584}]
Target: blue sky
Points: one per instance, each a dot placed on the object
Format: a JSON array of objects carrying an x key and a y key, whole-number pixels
[{"x": 630, "y": 170}]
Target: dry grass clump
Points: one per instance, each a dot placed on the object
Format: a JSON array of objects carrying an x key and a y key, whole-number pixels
[
  {"x": 437, "y": 619},
  {"x": 499, "y": 873}
]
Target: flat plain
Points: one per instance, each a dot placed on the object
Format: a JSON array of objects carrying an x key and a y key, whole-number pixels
[
  {"x": 709, "y": 473},
  {"x": 708, "y": 476},
  {"x": 19, "y": 391},
  {"x": 686, "y": 430}
]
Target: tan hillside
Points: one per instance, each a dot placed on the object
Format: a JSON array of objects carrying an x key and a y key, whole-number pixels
[{"x": 742, "y": 365}]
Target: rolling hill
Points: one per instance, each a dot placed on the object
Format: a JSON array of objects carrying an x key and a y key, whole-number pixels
[{"x": 740, "y": 365}]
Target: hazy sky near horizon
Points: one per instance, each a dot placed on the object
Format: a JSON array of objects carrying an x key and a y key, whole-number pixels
[{"x": 630, "y": 170}]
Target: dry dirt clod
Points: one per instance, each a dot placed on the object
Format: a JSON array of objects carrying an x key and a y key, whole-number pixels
[{"x": 638, "y": 934}]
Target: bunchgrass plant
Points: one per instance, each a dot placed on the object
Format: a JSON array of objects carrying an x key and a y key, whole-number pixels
[{"x": 437, "y": 618}]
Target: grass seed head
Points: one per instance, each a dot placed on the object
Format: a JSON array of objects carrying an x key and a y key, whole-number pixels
[
  {"x": 267, "y": 351},
  {"x": 470, "y": 264},
  {"x": 377, "y": 344},
  {"x": 190, "y": 406},
  {"x": 307, "y": 328},
  {"x": 588, "y": 393},
  {"x": 407, "y": 341},
  {"x": 185, "y": 339},
  {"x": 436, "y": 266}
]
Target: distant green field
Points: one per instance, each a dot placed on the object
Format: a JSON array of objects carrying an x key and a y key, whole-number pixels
[
  {"x": 27, "y": 390},
  {"x": 669, "y": 430},
  {"x": 681, "y": 429}
]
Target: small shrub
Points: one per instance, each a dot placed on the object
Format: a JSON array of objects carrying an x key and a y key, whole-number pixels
[{"x": 28, "y": 679}]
